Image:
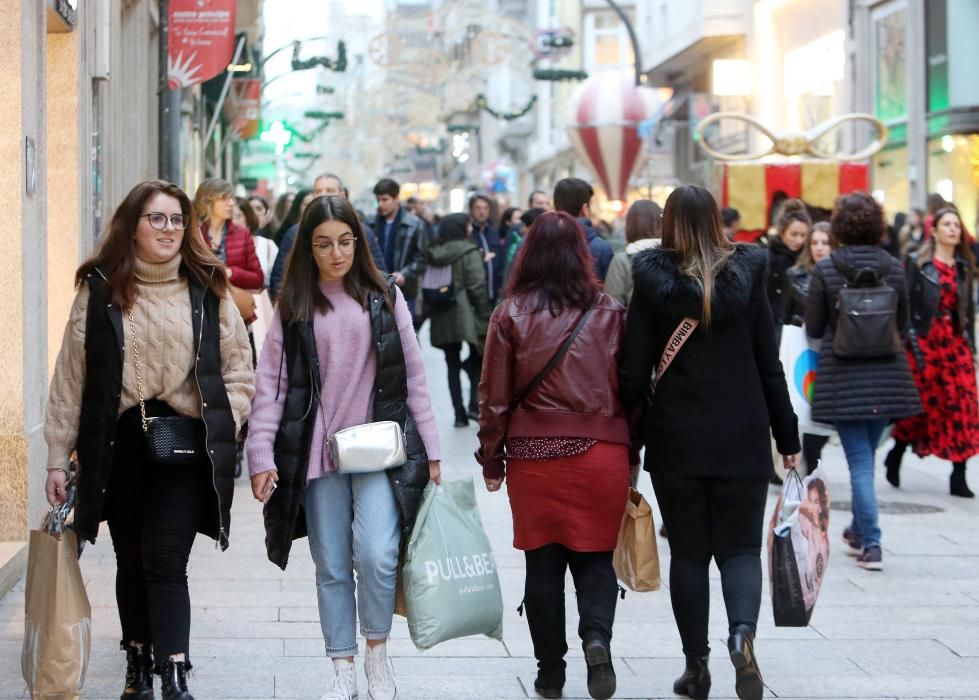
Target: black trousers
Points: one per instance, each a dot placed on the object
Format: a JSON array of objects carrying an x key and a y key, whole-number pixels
[
  {"x": 596, "y": 586},
  {"x": 473, "y": 366},
  {"x": 812, "y": 450},
  {"x": 153, "y": 513},
  {"x": 712, "y": 517}
]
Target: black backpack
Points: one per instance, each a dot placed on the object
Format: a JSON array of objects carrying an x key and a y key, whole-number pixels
[{"x": 866, "y": 313}]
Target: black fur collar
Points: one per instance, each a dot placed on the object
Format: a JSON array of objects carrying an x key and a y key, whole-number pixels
[{"x": 657, "y": 274}]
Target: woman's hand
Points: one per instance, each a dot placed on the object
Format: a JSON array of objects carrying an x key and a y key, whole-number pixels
[
  {"x": 261, "y": 488},
  {"x": 435, "y": 471},
  {"x": 790, "y": 461},
  {"x": 54, "y": 487},
  {"x": 493, "y": 485}
]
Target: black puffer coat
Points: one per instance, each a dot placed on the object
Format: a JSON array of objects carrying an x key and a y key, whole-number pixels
[
  {"x": 847, "y": 389},
  {"x": 104, "y": 353},
  {"x": 777, "y": 285},
  {"x": 724, "y": 396},
  {"x": 285, "y": 520}
]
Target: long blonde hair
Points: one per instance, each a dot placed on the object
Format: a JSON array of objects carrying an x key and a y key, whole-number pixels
[
  {"x": 210, "y": 189},
  {"x": 692, "y": 229}
]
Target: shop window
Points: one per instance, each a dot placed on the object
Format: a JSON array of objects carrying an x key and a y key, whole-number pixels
[
  {"x": 953, "y": 172},
  {"x": 890, "y": 177}
]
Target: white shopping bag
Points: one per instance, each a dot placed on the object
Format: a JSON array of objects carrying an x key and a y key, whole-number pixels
[{"x": 800, "y": 359}]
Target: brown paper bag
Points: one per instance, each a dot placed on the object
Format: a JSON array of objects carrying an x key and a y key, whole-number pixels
[
  {"x": 245, "y": 301},
  {"x": 58, "y": 624},
  {"x": 636, "y": 557}
]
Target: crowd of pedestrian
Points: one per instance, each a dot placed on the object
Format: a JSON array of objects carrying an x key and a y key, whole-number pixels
[{"x": 205, "y": 325}]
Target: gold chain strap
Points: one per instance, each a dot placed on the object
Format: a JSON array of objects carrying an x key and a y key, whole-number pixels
[{"x": 139, "y": 376}]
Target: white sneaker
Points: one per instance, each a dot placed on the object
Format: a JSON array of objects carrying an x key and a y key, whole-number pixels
[
  {"x": 380, "y": 674},
  {"x": 344, "y": 682}
]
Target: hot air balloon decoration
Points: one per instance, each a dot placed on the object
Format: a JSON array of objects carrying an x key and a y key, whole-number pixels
[{"x": 603, "y": 116}]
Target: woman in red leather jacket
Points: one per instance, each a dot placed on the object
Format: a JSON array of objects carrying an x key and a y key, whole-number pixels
[
  {"x": 214, "y": 204},
  {"x": 561, "y": 440}
]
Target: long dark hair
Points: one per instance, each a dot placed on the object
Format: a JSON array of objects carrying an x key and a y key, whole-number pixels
[
  {"x": 692, "y": 229},
  {"x": 301, "y": 293},
  {"x": 116, "y": 256},
  {"x": 292, "y": 218},
  {"x": 555, "y": 264},
  {"x": 962, "y": 250}
]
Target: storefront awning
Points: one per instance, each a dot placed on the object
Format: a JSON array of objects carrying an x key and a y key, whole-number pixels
[{"x": 695, "y": 58}]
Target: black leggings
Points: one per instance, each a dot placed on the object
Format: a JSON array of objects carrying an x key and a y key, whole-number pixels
[
  {"x": 812, "y": 450},
  {"x": 153, "y": 514},
  {"x": 596, "y": 587},
  {"x": 473, "y": 366},
  {"x": 712, "y": 517}
]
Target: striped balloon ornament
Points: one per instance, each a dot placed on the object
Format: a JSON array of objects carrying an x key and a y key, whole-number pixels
[{"x": 603, "y": 115}]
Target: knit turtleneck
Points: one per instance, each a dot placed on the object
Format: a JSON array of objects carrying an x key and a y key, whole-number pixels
[{"x": 158, "y": 273}]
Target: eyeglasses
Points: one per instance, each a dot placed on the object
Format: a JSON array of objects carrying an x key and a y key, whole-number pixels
[
  {"x": 346, "y": 246},
  {"x": 158, "y": 220}
]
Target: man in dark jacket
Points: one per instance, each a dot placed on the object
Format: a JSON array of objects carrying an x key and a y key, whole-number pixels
[
  {"x": 327, "y": 184},
  {"x": 487, "y": 237},
  {"x": 402, "y": 237},
  {"x": 573, "y": 195}
]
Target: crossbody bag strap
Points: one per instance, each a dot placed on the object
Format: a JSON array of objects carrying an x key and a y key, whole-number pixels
[
  {"x": 680, "y": 336},
  {"x": 558, "y": 356},
  {"x": 139, "y": 375}
]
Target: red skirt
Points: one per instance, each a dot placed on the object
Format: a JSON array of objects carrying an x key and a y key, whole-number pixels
[{"x": 573, "y": 501}]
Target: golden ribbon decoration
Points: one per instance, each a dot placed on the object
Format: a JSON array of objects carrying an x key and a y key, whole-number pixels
[{"x": 794, "y": 143}]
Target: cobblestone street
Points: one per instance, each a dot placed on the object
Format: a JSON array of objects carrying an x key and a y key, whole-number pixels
[{"x": 911, "y": 631}]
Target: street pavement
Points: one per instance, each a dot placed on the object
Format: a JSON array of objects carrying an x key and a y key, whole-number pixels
[{"x": 911, "y": 631}]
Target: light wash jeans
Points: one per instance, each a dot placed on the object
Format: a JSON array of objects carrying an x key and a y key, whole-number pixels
[
  {"x": 354, "y": 524},
  {"x": 860, "y": 439}
]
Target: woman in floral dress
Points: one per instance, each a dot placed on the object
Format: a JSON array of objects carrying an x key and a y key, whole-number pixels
[{"x": 942, "y": 347}]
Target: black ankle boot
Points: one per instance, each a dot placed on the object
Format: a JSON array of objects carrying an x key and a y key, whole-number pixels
[
  {"x": 175, "y": 680},
  {"x": 461, "y": 420},
  {"x": 549, "y": 682},
  {"x": 893, "y": 463},
  {"x": 748, "y": 682},
  {"x": 695, "y": 681},
  {"x": 139, "y": 673},
  {"x": 601, "y": 675},
  {"x": 956, "y": 482}
]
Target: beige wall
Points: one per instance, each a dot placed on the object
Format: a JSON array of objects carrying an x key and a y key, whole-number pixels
[{"x": 23, "y": 359}]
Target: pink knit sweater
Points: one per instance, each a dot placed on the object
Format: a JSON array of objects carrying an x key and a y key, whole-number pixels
[{"x": 348, "y": 366}]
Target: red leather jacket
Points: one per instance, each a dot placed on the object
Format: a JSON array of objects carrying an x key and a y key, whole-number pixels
[
  {"x": 240, "y": 257},
  {"x": 580, "y": 396}
]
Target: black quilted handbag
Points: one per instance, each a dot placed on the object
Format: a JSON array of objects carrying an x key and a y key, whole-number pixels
[{"x": 170, "y": 440}]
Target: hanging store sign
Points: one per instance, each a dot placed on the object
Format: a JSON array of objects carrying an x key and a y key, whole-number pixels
[
  {"x": 201, "y": 40},
  {"x": 243, "y": 106}
]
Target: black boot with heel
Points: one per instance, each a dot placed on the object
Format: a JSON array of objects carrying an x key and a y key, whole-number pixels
[
  {"x": 174, "y": 675},
  {"x": 893, "y": 463},
  {"x": 695, "y": 681},
  {"x": 139, "y": 673},
  {"x": 748, "y": 682},
  {"x": 956, "y": 482}
]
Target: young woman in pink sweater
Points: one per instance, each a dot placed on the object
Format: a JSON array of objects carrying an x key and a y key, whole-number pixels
[{"x": 341, "y": 352}]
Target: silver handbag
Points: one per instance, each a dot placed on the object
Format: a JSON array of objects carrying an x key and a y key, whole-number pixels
[{"x": 371, "y": 447}]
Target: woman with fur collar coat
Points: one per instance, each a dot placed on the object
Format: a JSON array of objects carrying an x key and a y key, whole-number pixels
[{"x": 707, "y": 430}]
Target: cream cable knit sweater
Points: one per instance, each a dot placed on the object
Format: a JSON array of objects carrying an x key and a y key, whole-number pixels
[{"x": 164, "y": 334}]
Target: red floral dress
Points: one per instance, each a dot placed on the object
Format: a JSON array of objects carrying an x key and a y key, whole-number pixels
[{"x": 949, "y": 427}]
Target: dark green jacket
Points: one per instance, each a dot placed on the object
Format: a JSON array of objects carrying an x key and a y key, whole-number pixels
[{"x": 467, "y": 319}]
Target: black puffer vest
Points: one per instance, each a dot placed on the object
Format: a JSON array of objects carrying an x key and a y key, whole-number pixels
[
  {"x": 104, "y": 354},
  {"x": 285, "y": 520}
]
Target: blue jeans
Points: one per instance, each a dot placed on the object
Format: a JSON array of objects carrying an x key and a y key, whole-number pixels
[
  {"x": 354, "y": 524},
  {"x": 860, "y": 439}
]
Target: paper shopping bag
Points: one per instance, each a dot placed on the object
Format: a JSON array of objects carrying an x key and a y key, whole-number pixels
[
  {"x": 798, "y": 547},
  {"x": 451, "y": 587},
  {"x": 58, "y": 624},
  {"x": 636, "y": 557}
]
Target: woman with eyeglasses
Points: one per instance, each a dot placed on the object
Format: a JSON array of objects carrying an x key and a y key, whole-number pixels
[
  {"x": 341, "y": 352},
  {"x": 233, "y": 244},
  {"x": 152, "y": 333}
]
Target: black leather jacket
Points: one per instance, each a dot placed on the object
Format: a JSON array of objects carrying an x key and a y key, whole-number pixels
[
  {"x": 798, "y": 283},
  {"x": 924, "y": 295}
]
